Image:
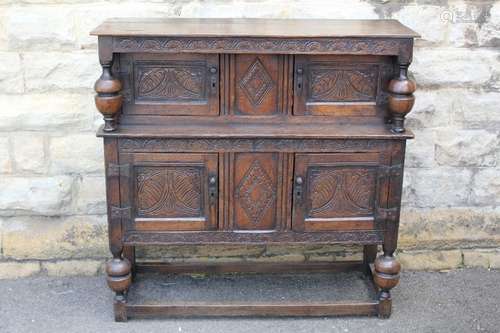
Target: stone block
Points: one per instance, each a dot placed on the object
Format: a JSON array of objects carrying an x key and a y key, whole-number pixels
[
  {"x": 438, "y": 187},
  {"x": 329, "y": 9},
  {"x": 471, "y": 109},
  {"x": 200, "y": 251},
  {"x": 494, "y": 260},
  {"x": 426, "y": 20},
  {"x": 479, "y": 258},
  {"x": 3, "y": 32},
  {"x": 454, "y": 67},
  {"x": 90, "y": 196},
  {"x": 47, "y": 238},
  {"x": 14, "y": 270},
  {"x": 77, "y": 153},
  {"x": 448, "y": 227},
  {"x": 46, "y": 112},
  {"x": 430, "y": 260},
  {"x": 29, "y": 152},
  {"x": 466, "y": 19},
  {"x": 61, "y": 70},
  {"x": 88, "y": 16},
  {"x": 489, "y": 33},
  {"x": 432, "y": 108},
  {"x": 420, "y": 151},
  {"x": 470, "y": 148},
  {"x": 34, "y": 195},
  {"x": 73, "y": 268},
  {"x": 11, "y": 74},
  {"x": 5, "y": 158},
  {"x": 39, "y": 27},
  {"x": 486, "y": 187}
]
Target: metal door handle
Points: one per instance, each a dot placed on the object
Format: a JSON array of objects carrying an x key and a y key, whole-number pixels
[{"x": 212, "y": 189}]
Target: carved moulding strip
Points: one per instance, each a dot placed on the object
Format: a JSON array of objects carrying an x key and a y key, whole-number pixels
[
  {"x": 250, "y": 145},
  {"x": 401, "y": 47},
  {"x": 220, "y": 237}
]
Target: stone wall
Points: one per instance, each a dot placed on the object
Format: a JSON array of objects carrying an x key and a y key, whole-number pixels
[{"x": 51, "y": 170}]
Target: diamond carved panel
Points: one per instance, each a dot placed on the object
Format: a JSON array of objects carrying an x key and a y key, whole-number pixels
[
  {"x": 256, "y": 192},
  {"x": 256, "y": 82}
]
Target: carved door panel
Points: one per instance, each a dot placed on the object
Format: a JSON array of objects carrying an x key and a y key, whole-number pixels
[
  {"x": 256, "y": 182},
  {"x": 340, "y": 85},
  {"x": 173, "y": 84},
  {"x": 338, "y": 191},
  {"x": 171, "y": 191},
  {"x": 256, "y": 84}
]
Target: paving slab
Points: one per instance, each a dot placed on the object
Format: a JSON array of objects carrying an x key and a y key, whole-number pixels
[{"x": 457, "y": 301}]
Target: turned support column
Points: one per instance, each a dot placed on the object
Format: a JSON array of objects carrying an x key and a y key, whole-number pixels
[
  {"x": 119, "y": 279},
  {"x": 386, "y": 277},
  {"x": 401, "y": 98},
  {"x": 108, "y": 99}
]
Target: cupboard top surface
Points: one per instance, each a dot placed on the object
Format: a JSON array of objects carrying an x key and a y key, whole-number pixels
[
  {"x": 239, "y": 27},
  {"x": 293, "y": 129}
]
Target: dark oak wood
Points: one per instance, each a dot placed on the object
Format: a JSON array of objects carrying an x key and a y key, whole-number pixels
[
  {"x": 253, "y": 27},
  {"x": 249, "y": 267},
  {"x": 257, "y": 238},
  {"x": 258, "y": 310},
  {"x": 254, "y": 131}
]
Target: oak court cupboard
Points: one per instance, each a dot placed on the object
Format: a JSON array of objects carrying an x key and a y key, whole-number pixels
[{"x": 254, "y": 131}]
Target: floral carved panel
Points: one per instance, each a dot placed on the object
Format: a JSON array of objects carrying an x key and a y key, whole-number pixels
[
  {"x": 341, "y": 192},
  {"x": 169, "y": 191},
  {"x": 343, "y": 84},
  {"x": 185, "y": 82}
]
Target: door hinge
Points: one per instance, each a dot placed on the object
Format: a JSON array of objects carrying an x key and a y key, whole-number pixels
[
  {"x": 387, "y": 214},
  {"x": 118, "y": 170},
  {"x": 121, "y": 212},
  {"x": 391, "y": 171}
]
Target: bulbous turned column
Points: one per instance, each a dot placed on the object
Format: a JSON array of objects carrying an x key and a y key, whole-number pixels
[
  {"x": 386, "y": 277},
  {"x": 108, "y": 99},
  {"x": 119, "y": 275},
  {"x": 119, "y": 278},
  {"x": 401, "y": 99}
]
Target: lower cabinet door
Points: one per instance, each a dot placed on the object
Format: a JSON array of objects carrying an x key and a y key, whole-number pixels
[
  {"x": 168, "y": 192},
  {"x": 338, "y": 191}
]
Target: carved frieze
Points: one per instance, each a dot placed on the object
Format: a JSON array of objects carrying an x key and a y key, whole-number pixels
[
  {"x": 379, "y": 46},
  {"x": 250, "y": 145}
]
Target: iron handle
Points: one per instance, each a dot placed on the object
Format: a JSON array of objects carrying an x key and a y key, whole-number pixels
[
  {"x": 212, "y": 189},
  {"x": 213, "y": 79},
  {"x": 300, "y": 83},
  {"x": 299, "y": 182}
]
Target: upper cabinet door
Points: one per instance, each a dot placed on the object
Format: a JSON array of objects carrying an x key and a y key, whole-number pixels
[
  {"x": 256, "y": 85},
  {"x": 338, "y": 191},
  {"x": 170, "y": 191},
  {"x": 173, "y": 84},
  {"x": 340, "y": 85}
]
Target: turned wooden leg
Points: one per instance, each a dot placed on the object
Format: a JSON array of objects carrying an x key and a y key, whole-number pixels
[
  {"x": 386, "y": 277},
  {"x": 401, "y": 98},
  {"x": 119, "y": 279}
]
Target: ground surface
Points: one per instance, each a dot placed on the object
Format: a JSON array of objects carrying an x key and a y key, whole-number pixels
[{"x": 458, "y": 301}]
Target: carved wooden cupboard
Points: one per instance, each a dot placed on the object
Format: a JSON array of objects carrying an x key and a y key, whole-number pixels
[{"x": 252, "y": 131}]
